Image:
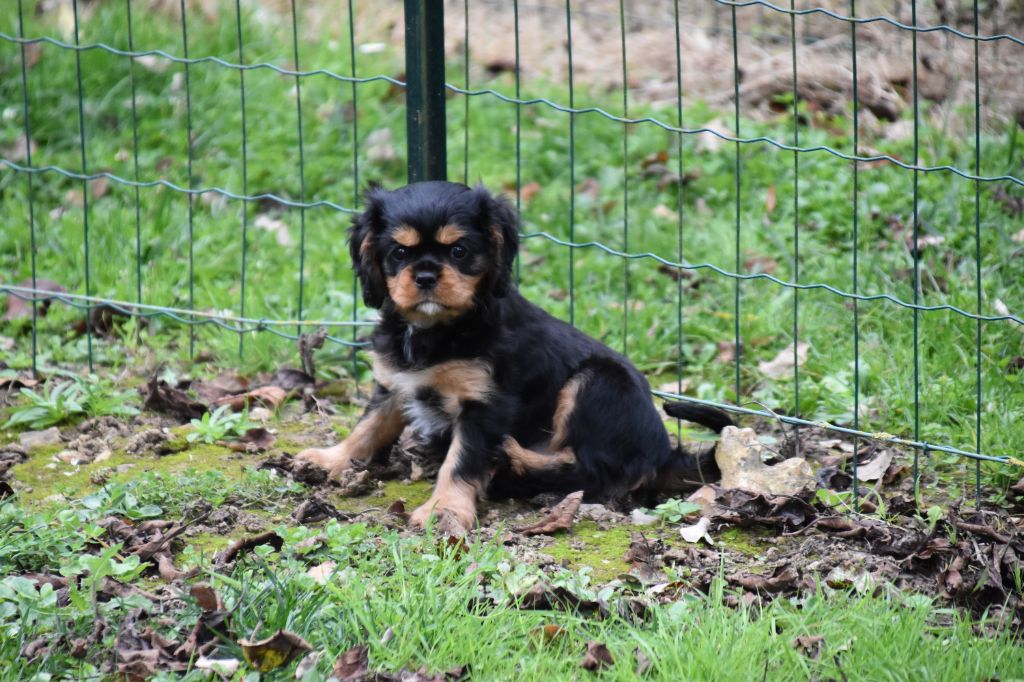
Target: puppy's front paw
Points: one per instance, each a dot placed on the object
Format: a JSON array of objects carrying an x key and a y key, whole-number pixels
[
  {"x": 452, "y": 516},
  {"x": 335, "y": 460}
]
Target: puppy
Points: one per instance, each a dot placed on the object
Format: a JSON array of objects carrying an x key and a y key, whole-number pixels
[{"x": 519, "y": 402}]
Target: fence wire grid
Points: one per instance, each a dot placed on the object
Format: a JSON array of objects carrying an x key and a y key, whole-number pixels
[{"x": 266, "y": 144}]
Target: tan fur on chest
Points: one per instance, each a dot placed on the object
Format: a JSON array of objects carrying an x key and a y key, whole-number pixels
[{"x": 456, "y": 381}]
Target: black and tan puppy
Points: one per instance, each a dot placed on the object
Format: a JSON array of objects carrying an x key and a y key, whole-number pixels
[{"x": 520, "y": 402}]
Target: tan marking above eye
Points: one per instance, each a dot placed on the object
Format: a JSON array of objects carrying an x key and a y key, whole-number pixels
[
  {"x": 406, "y": 236},
  {"x": 449, "y": 234}
]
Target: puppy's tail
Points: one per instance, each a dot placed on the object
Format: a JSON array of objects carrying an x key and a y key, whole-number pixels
[
  {"x": 709, "y": 417},
  {"x": 692, "y": 468}
]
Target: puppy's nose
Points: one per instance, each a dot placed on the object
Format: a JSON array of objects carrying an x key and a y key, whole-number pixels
[{"x": 426, "y": 280}]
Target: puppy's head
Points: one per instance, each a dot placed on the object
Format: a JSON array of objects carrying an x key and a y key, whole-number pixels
[{"x": 434, "y": 249}]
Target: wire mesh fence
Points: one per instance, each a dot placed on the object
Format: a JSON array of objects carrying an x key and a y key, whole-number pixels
[{"x": 804, "y": 213}]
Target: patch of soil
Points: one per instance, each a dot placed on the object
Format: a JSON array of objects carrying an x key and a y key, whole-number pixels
[
  {"x": 764, "y": 546},
  {"x": 11, "y": 454},
  {"x": 147, "y": 440}
]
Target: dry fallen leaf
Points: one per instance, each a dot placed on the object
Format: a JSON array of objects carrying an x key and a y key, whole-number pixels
[
  {"x": 675, "y": 387},
  {"x": 726, "y": 351},
  {"x": 162, "y": 397},
  {"x": 245, "y": 544},
  {"x": 33, "y": 52},
  {"x": 19, "y": 307},
  {"x": 660, "y": 156},
  {"x": 307, "y": 664},
  {"x": 379, "y": 148},
  {"x": 770, "y": 199},
  {"x": 321, "y": 573},
  {"x": 152, "y": 62},
  {"x": 597, "y": 656},
  {"x": 784, "y": 578},
  {"x": 782, "y": 365},
  {"x": 704, "y": 496},
  {"x": 529, "y": 190},
  {"x": 269, "y": 396},
  {"x": 663, "y": 211},
  {"x": 352, "y": 665},
  {"x": 225, "y": 667},
  {"x": 760, "y": 264},
  {"x": 256, "y": 439},
  {"x": 708, "y": 141},
  {"x": 876, "y": 468},
  {"x": 560, "y": 518},
  {"x": 19, "y": 381},
  {"x": 639, "y": 518},
  {"x": 167, "y": 569},
  {"x": 275, "y": 651},
  {"x": 924, "y": 241},
  {"x": 589, "y": 187},
  {"x": 99, "y": 187},
  {"x": 206, "y": 597},
  {"x": 809, "y": 645},
  {"x": 697, "y": 532},
  {"x": 17, "y": 151},
  {"x": 643, "y": 663},
  {"x": 276, "y": 227},
  {"x": 548, "y": 633}
]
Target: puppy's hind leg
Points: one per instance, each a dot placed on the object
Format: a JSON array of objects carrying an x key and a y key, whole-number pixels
[
  {"x": 525, "y": 461},
  {"x": 379, "y": 427},
  {"x": 605, "y": 415}
]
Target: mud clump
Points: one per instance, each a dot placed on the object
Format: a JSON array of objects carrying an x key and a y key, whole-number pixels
[{"x": 149, "y": 440}]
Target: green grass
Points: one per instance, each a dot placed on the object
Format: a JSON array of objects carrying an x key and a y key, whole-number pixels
[
  {"x": 444, "y": 610},
  {"x": 211, "y": 263},
  {"x": 447, "y": 608},
  {"x": 58, "y": 402}
]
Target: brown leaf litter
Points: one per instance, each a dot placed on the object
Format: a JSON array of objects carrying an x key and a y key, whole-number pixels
[
  {"x": 189, "y": 399},
  {"x": 560, "y": 518},
  {"x": 353, "y": 665},
  {"x": 247, "y": 544},
  {"x": 275, "y": 651},
  {"x": 597, "y": 656},
  {"x": 19, "y": 308}
]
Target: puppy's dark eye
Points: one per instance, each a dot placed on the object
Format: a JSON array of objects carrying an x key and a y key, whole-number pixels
[
  {"x": 399, "y": 253},
  {"x": 459, "y": 252}
]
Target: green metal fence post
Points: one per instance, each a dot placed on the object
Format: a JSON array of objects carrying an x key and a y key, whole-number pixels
[{"x": 425, "y": 104}]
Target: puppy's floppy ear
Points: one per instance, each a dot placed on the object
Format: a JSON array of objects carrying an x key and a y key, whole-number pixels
[
  {"x": 360, "y": 246},
  {"x": 503, "y": 223}
]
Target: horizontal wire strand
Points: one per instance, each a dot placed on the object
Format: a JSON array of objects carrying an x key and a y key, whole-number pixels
[
  {"x": 527, "y": 235},
  {"x": 546, "y": 102},
  {"x": 261, "y": 325}
]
